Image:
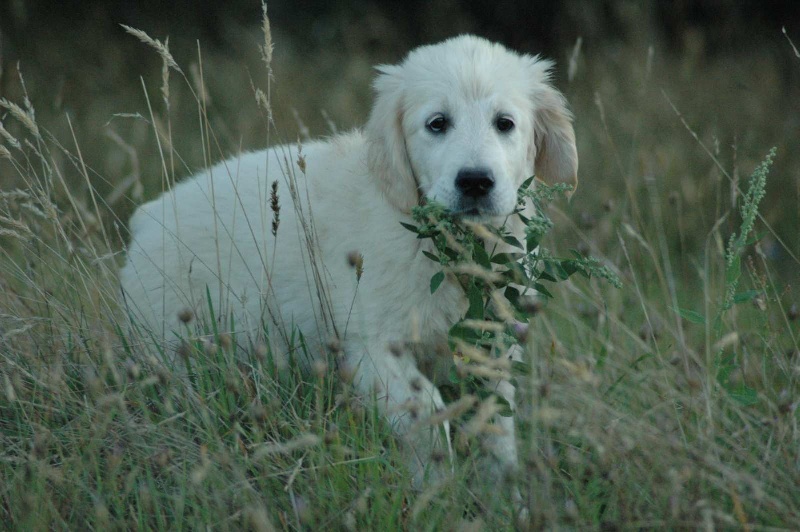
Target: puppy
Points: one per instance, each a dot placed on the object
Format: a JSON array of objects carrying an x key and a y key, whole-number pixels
[{"x": 464, "y": 123}]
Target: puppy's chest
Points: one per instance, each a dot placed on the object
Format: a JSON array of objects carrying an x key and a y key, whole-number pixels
[{"x": 431, "y": 323}]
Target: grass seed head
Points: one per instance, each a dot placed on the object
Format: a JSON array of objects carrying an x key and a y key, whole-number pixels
[
  {"x": 161, "y": 48},
  {"x": 521, "y": 331},
  {"x": 258, "y": 413},
  {"x": 133, "y": 370},
  {"x": 186, "y": 315},
  {"x": 397, "y": 349},
  {"x": 320, "y": 368},
  {"x": 257, "y": 519},
  {"x": 531, "y": 305},
  {"x": 275, "y": 207},
  {"x": 210, "y": 349},
  {"x": 334, "y": 346},
  {"x": 184, "y": 350},
  {"x": 261, "y": 352},
  {"x": 225, "y": 341},
  {"x": 331, "y": 435},
  {"x": 268, "y": 47},
  {"x": 356, "y": 260}
]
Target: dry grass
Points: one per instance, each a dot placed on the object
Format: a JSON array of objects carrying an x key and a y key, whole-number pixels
[{"x": 636, "y": 415}]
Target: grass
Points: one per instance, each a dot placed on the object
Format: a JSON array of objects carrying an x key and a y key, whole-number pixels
[{"x": 668, "y": 403}]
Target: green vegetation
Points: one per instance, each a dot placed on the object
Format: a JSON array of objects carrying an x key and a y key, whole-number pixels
[{"x": 670, "y": 402}]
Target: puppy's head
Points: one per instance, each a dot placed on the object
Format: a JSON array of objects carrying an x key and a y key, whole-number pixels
[{"x": 465, "y": 122}]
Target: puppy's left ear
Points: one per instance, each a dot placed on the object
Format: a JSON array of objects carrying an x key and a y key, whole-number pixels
[
  {"x": 387, "y": 156},
  {"x": 554, "y": 153}
]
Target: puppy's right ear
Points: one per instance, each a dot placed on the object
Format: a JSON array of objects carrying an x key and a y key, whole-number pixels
[{"x": 387, "y": 156}]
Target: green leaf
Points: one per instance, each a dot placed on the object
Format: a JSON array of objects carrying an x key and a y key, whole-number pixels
[
  {"x": 452, "y": 375},
  {"x": 512, "y": 295},
  {"x": 744, "y": 297},
  {"x": 511, "y": 241},
  {"x": 436, "y": 280},
  {"x": 505, "y": 406},
  {"x": 565, "y": 268},
  {"x": 467, "y": 334},
  {"x": 515, "y": 274},
  {"x": 690, "y": 315},
  {"x": 571, "y": 266},
  {"x": 725, "y": 366},
  {"x": 506, "y": 258},
  {"x": 755, "y": 238},
  {"x": 539, "y": 287},
  {"x": 531, "y": 242},
  {"x": 520, "y": 368},
  {"x": 412, "y": 228},
  {"x": 475, "y": 298},
  {"x": 481, "y": 257},
  {"x": 547, "y": 276},
  {"x": 527, "y": 183},
  {"x": 431, "y": 256},
  {"x": 743, "y": 394}
]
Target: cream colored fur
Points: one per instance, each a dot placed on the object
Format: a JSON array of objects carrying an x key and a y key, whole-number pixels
[{"x": 211, "y": 233}]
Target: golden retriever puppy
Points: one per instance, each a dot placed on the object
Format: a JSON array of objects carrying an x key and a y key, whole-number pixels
[{"x": 464, "y": 123}]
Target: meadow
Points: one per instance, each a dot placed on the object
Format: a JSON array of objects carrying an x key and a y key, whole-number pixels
[{"x": 669, "y": 402}]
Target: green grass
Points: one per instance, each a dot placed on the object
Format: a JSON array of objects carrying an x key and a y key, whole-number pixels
[{"x": 671, "y": 402}]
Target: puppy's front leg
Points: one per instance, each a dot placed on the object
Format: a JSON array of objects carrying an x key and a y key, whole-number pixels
[
  {"x": 503, "y": 444},
  {"x": 407, "y": 398}
]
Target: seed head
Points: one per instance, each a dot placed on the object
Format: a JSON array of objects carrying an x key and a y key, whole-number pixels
[
  {"x": 186, "y": 315},
  {"x": 334, "y": 345},
  {"x": 396, "y": 349},
  {"x": 261, "y": 352},
  {"x": 331, "y": 435},
  {"x": 258, "y": 413},
  {"x": 320, "y": 368},
  {"x": 132, "y": 369},
  {"x": 530, "y": 305},
  {"x": 267, "y": 47},
  {"x": 356, "y": 260},
  {"x": 521, "y": 331},
  {"x": 225, "y": 341},
  {"x": 275, "y": 206},
  {"x": 210, "y": 348}
]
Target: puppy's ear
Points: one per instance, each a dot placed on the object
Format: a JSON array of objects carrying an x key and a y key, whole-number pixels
[
  {"x": 387, "y": 157},
  {"x": 554, "y": 153}
]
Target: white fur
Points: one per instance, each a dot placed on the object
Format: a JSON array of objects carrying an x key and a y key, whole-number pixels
[{"x": 211, "y": 234}]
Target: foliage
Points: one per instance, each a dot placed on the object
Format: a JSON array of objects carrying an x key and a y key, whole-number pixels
[{"x": 504, "y": 280}]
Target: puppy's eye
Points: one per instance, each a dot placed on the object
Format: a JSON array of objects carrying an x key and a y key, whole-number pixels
[
  {"x": 437, "y": 124},
  {"x": 504, "y": 124}
]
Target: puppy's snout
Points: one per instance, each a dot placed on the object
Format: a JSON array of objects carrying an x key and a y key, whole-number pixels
[{"x": 475, "y": 182}]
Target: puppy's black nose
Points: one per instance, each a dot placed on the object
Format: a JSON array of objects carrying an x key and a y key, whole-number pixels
[{"x": 475, "y": 182}]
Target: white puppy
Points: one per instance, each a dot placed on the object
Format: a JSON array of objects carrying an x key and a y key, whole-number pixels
[{"x": 463, "y": 122}]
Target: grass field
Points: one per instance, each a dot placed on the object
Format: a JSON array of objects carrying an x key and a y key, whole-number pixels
[{"x": 668, "y": 403}]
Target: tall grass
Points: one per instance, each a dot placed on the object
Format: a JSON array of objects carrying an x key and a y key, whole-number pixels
[{"x": 668, "y": 403}]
